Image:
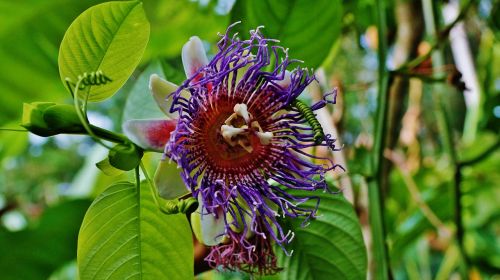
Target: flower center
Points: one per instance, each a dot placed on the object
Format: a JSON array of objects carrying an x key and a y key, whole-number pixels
[{"x": 238, "y": 128}]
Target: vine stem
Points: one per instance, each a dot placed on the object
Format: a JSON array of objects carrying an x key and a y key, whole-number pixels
[
  {"x": 82, "y": 116},
  {"x": 440, "y": 38},
  {"x": 93, "y": 131},
  {"x": 443, "y": 120}
]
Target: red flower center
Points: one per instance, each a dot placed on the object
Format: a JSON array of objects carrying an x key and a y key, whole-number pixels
[{"x": 235, "y": 153}]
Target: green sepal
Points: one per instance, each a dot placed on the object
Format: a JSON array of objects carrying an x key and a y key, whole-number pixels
[{"x": 125, "y": 156}]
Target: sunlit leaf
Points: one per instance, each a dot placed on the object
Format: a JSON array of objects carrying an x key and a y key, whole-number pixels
[
  {"x": 108, "y": 169},
  {"x": 331, "y": 247},
  {"x": 124, "y": 235},
  {"x": 110, "y": 37}
]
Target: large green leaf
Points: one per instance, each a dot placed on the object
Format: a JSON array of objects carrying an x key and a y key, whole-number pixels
[
  {"x": 308, "y": 28},
  {"x": 331, "y": 247},
  {"x": 110, "y": 37},
  {"x": 37, "y": 252},
  {"x": 125, "y": 236}
]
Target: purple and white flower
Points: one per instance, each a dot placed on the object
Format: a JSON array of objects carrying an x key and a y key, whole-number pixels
[{"x": 241, "y": 146}]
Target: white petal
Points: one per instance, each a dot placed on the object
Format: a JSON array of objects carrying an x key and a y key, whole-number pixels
[
  {"x": 193, "y": 56},
  {"x": 168, "y": 180},
  {"x": 149, "y": 134},
  {"x": 161, "y": 90},
  {"x": 206, "y": 227},
  {"x": 286, "y": 81}
]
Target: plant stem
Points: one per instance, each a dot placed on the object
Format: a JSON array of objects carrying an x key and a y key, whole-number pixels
[
  {"x": 108, "y": 135},
  {"x": 380, "y": 266}
]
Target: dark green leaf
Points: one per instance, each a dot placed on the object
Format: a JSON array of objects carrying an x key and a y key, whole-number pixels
[
  {"x": 307, "y": 28},
  {"x": 331, "y": 247},
  {"x": 35, "y": 253}
]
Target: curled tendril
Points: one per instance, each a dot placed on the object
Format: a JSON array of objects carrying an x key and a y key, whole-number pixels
[{"x": 96, "y": 78}]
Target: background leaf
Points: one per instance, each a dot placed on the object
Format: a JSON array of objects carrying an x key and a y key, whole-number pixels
[
  {"x": 110, "y": 37},
  {"x": 173, "y": 22},
  {"x": 125, "y": 235},
  {"x": 140, "y": 103},
  {"x": 30, "y": 34},
  {"x": 35, "y": 253},
  {"x": 330, "y": 247},
  {"x": 308, "y": 29}
]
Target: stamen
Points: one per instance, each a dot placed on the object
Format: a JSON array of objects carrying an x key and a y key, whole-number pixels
[
  {"x": 255, "y": 124},
  {"x": 242, "y": 111},
  {"x": 265, "y": 138},
  {"x": 231, "y": 118},
  {"x": 229, "y": 131}
]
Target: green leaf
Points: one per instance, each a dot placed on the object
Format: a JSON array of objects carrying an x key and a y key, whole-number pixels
[
  {"x": 108, "y": 169},
  {"x": 110, "y": 37},
  {"x": 307, "y": 29},
  {"x": 124, "y": 235},
  {"x": 330, "y": 247},
  {"x": 37, "y": 252}
]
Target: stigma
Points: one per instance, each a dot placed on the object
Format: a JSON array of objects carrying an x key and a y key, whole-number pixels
[{"x": 239, "y": 126}]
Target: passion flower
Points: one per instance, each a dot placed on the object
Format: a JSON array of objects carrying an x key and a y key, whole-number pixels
[{"x": 241, "y": 144}]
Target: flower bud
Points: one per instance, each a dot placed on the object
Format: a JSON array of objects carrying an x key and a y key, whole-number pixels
[
  {"x": 48, "y": 118},
  {"x": 125, "y": 157}
]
